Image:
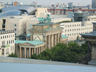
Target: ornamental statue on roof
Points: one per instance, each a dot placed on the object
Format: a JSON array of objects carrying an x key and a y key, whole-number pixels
[{"x": 45, "y": 20}]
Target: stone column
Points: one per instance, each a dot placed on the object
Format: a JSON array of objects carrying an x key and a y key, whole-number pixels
[
  {"x": 49, "y": 42},
  {"x": 52, "y": 40},
  {"x": 36, "y": 51},
  {"x": 17, "y": 49},
  {"x": 58, "y": 37},
  {"x": 39, "y": 50},
  {"x": 20, "y": 53},
  {"x": 46, "y": 42},
  {"x": 55, "y": 39},
  {"x": 25, "y": 52},
  {"x": 30, "y": 52}
]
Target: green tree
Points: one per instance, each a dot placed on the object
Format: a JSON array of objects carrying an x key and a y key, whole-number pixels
[{"x": 70, "y": 52}]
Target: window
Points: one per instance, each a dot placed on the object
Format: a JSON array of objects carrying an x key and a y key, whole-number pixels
[
  {"x": 3, "y": 29},
  {"x": 4, "y": 21},
  {"x": 11, "y": 41},
  {"x": 15, "y": 25},
  {"x": 2, "y": 51},
  {"x": 3, "y": 43},
  {"x": 7, "y": 36},
  {"x": 15, "y": 29},
  {"x": 7, "y": 42},
  {"x": 3, "y": 25},
  {"x": 3, "y": 37}
]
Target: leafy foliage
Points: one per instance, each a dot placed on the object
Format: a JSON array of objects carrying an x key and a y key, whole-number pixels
[
  {"x": 70, "y": 52},
  {"x": 12, "y": 55}
]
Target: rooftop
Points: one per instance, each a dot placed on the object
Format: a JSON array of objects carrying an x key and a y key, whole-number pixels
[
  {"x": 34, "y": 42},
  {"x": 64, "y": 36},
  {"x": 52, "y": 29},
  {"x": 19, "y": 7},
  {"x": 16, "y": 10},
  {"x": 42, "y": 24},
  {"x": 93, "y": 34},
  {"x": 6, "y": 32}
]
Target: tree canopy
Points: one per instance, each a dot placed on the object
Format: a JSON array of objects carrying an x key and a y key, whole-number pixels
[{"x": 70, "y": 52}]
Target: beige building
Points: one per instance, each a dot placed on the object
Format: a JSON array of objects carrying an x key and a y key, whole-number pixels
[
  {"x": 60, "y": 19},
  {"x": 49, "y": 33},
  {"x": 91, "y": 18},
  {"x": 7, "y": 43},
  {"x": 43, "y": 35},
  {"x": 74, "y": 29},
  {"x": 25, "y": 49},
  {"x": 22, "y": 23},
  {"x": 41, "y": 12},
  {"x": 19, "y": 24}
]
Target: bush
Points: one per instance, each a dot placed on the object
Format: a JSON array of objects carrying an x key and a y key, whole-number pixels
[{"x": 12, "y": 55}]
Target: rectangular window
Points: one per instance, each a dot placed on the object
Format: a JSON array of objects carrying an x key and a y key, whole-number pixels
[
  {"x": 3, "y": 43},
  {"x": 4, "y": 21},
  {"x": 2, "y": 51}
]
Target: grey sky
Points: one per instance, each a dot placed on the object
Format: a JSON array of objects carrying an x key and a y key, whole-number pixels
[{"x": 47, "y": 2}]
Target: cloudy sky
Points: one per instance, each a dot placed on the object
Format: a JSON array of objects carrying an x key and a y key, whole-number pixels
[{"x": 48, "y": 2}]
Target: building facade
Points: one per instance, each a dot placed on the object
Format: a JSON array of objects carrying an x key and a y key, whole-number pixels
[
  {"x": 49, "y": 33},
  {"x": 74, "y": 29},
  {"x": 42, "y": 36},
  {"x": 7, "y": 43},
  {"x": 93, "y": 4},
  {"x": 41, "y": 12},
  {"x": 19, "y": 24},
  {"x": 60, "y": 19},
  {"x": 59, "y": 11},
  {"x": 92, "y": 18},
  {"x": 25, "y": 49}
]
